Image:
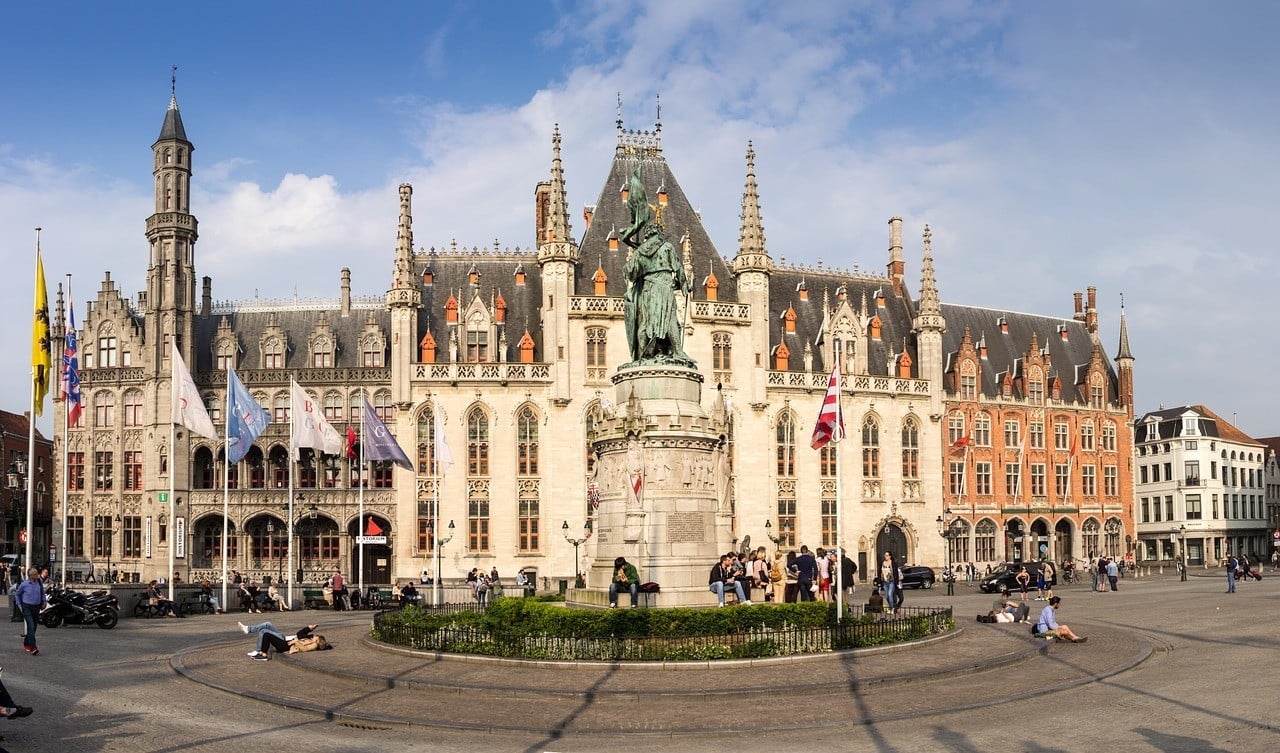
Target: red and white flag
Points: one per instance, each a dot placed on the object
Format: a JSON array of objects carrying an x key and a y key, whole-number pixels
[
  {"x": 961, "y": 442},
  {"x": 830, "y": 426}
]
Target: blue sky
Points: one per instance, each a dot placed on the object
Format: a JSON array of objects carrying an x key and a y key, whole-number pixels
[{"x": 1129, "y": 146}]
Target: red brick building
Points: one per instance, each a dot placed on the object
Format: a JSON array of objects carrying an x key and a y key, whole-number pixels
[
  {"x": 14, "y": 429},
  {"x": 1036, "y": 436}
]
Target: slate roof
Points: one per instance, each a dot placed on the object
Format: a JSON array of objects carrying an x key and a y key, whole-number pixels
[
  {"x": 450, "y": 275},
  {"x": 895, "y": 317},
  {"x": 16, "y": 425},
  {"x": 1069, "y": 359},
  {"x": 679, "y": 217},
  {"x": 1210, "y": 425},
  {"x": 298, "y": 323},
  {"x": 172, "y": 128}
]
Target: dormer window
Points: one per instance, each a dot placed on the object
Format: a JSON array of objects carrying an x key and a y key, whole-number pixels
[
  {"x": 789, "y": 320},
  {"x": 322, "y": 355},
  {"x": 427, "y": 277},
  {"x": 876, "y": 325},
  {"x": 1190, "y": 426},
  {"x": 273, "y": 354}
]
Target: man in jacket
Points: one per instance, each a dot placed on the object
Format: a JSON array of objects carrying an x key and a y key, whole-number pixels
[
  {"x": 806, "y": 569},
  {"x": 722, "y": 579},
  {"x": 31, "y": 599},
  {"x": 626, "y": 578}
]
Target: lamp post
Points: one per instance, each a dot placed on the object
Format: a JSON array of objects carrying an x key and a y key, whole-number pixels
[
  {"x": 437, "y": 586},
  {"x": 1182, "y": 552},
  {"x": 783, "y": 533},
  {"x": 578, "y": 580},
  {"x": 948, "y": 534},
  {"x": 111, "y": 546}
]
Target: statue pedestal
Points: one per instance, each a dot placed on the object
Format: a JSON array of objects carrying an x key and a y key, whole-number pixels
[{"x": 661, "y": 441}]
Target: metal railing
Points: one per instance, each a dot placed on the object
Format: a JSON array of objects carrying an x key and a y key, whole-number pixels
[{"x": 857, "y": 630}]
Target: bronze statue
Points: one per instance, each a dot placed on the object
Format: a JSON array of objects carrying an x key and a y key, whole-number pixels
[{"x": 655, "y": 332}]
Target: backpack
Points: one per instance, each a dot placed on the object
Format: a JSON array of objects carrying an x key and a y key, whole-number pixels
[{"x": 775, "y": 572}]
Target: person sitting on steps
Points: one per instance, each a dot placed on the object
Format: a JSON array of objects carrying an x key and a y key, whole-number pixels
[
  {"x": 625, "y": 577},
  {"x": 722, "y": 578}
]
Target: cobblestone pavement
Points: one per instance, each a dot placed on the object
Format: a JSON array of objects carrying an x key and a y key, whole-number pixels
[{"x": 1205, "y": 684}]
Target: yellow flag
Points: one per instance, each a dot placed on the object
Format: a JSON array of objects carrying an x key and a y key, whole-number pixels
[{"x": 41, "y": 363}]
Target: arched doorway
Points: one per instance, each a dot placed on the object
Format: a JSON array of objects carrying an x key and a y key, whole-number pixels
[
  {"x": 206, "y": 551},
  {"x": 1015, "y": 533},
  {"x": 373, "y": 535},
  {"x": 891, "y": 538},
  {"x": 1040, "y": 546},
  {"x": 1065, "y": 541}
]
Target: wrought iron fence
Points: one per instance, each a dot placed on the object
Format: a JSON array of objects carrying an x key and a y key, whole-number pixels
[{"x": 857, "y": 630}]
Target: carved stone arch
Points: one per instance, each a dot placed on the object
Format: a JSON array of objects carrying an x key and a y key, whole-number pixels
[
  {"x": 107, "y": 328},
  {"x": 479, "y": 404},
  {"x": 538, "y": 413},
  {"x": 104, "y": 441}
]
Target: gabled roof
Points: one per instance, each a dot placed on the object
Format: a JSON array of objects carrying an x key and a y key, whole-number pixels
[
  {"x": 1069, "y": 359},
  {"x": 16, "y": 425},
  {"x": 1209, "y": 424},
  {"x": 678, "y": 217},
  {"x": 299, "y": 324},
  {"x": 450, "y": 273}
]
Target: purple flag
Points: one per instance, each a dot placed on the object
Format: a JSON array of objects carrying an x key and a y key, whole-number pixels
[{"x": 378, "y": 442}]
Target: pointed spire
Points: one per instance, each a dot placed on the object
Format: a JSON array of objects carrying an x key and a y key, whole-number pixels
[
  {"x": 929, "y": 304},
  {"x": 751, "y": 245},
  {"x": 172, "y": 129},
  {"x": 559, "y": 210},
  {"x": 403, "y": 278},
  {"x": 557, "y": 241},
  {"x": 1123, "y": 351}
]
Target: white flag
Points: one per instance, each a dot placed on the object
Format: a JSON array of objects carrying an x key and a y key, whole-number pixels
[
  {"x": 444, "y": 458},
  {"x": 308, "y": 425},
  {"x": 186, "y": 408}
]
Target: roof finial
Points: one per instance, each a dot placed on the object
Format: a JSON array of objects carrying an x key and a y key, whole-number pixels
[
  {"x": 173, "y": 88},
  {"x": 619, "y": 120},
  {"x": 658, "y": 125}
]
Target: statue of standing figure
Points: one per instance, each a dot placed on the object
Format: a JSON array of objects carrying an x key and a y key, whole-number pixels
[{"x": 655, "y": 332}]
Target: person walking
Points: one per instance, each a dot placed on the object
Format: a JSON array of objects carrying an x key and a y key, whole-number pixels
[
  {"x": 339, "y": 587},
  {"x": 1232, "y": 564},
  {"x": 1113, "y": 573},
  {"x": 31, "y": 599},
  {"x": 891, "y": 582},
  {"x": 10, "y": 708}
]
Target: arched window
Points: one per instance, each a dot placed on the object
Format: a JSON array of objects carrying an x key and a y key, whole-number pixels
[
  {"x": 332, "y": 407},
  {"x": 104, "y": 410},
  {"x": 477, "y": 443},
  {"x": 273, "y": 354},
  {"x": 213, "y": 404},
  {"x": 984, "y": 540},
  {"x": 1086, "y": 435},
  {"x": 382, "y": 404},
  {"x": 426, "y": 441},
  {"x": 722, "y": 356},
  {"x": 322, "y": 355},
  {"x": 592, "y": 420},
  {"x": 870, "y": 448},
  {"x": 202, "y": 469},
  {"x": 1089, "y": 532},
  {"x": 597, "y": 342},
  {"x": 786, "y": 446},
  {"x": 910, "y": 449},
  {"x": 280, "y": 408},
  {"x": 225, "y": 357},
  {"x": 133, "y": 408},
  {"x": 982, "y": 430},
  {"x": 527, "y": 443}
]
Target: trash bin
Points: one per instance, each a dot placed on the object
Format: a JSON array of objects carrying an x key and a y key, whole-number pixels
[{"x": 564, "y": 587}]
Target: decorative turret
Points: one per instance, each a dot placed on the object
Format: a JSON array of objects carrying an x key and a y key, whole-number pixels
[
  {"x": 752, "y": 255},
  {"x": 896, "y": 266},
  {"x": 404, "y": 299},
  {"x": 929, "y": 325},
  {"x": 405, "y": 291},
  {"x": 555, "y": 234},
  {"x": 170, "y": 297},
  {"x": 1124, "y": 363}
]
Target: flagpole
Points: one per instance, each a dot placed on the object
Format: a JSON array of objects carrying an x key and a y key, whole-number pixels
[
  {"x": 66, "y": 436},
  {"x": 173, "y": 438},
  {"x": 435, "y": 504},
  {"x": 226, "y": 493},
  {"x": 292, "y": 462},
  {"x": 31, "y": 420},
  {"x": 360, "y": 525}
]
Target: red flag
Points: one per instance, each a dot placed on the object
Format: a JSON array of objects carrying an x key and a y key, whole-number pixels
[
  {"x": 351, "y": 444},
  {"x": 372, "y": 529},
  {"x": 961, "y": 442},
  {"x": 830, "y": 425},
  {"x": 1074, "y": 448}
]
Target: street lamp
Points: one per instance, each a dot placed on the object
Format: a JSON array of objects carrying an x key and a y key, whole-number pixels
[
  {"x": 948, "y": 534},
  {"x": 577, "y": 576},
  {"x": 437, "y": 585},
  {"x": 783, "y": 534}
]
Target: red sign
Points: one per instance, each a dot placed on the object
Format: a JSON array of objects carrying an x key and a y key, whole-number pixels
[{"x": 22, "y": 536}]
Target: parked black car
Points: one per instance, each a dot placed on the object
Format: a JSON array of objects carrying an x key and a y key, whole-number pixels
[
  {"x": 1006, "y": 576},
  {"x": 917, "y": 576}
]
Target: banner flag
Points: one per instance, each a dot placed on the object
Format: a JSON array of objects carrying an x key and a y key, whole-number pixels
[
  {"x": 185, "y": 406},
  {"x": 830, "y": 425},
  {"x": 245, "y": 419},
  {"x": 378, "y": 442}
]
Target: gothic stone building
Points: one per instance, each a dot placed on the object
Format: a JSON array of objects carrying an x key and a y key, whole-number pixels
[{"x": 514, "y": 348}]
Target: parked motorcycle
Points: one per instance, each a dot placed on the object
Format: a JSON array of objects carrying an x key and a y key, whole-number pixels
[{"x": 70, "y": 607}]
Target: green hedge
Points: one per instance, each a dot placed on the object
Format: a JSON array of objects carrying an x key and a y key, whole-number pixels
[{"x": 523, "y": 627}]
